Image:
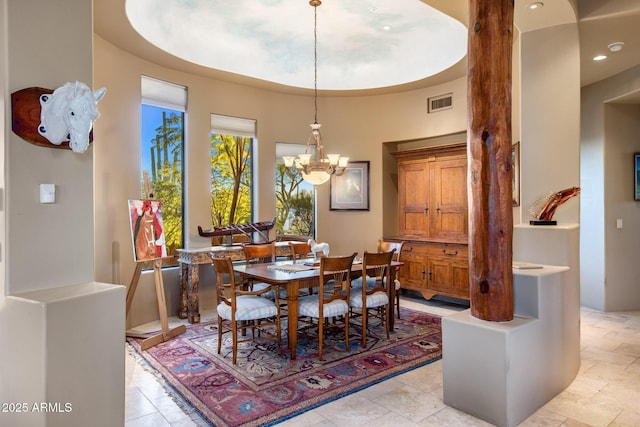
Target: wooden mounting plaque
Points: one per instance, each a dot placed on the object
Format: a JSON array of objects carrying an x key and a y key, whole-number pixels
[{"x": 25, "y": 117}]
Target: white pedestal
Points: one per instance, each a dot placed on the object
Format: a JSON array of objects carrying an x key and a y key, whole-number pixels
[
  {"x": 502, "y": 372},
  {"x": 66, "y": 356}
]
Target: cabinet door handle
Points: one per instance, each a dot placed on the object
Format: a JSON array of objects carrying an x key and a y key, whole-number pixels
[
  {"x": 438, "y": 207},
  {"x": 429, "y": 273},
  {"x": 426, "y": 209},
  {"x": 454, "y": 253},
  {"x": 423, "y": 273}
]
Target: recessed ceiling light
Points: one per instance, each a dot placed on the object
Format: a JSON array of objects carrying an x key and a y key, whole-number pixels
[
  {"x": 599, "y": 57},
  {"x": 616, "y": 47},
  {"x": 386, "y": 27},
  {"x": 536, "y": 5}
]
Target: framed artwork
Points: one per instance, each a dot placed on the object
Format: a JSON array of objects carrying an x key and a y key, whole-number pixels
[
  {"x": 350, "y": 190},
  {"x": 636, "y": 169},
  {"x": 515, "y": 159},
  {"x": 147, "y": 232}
]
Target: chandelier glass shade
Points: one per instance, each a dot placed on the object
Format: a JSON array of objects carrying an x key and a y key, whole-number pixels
[{"x": 312, "y": 165}]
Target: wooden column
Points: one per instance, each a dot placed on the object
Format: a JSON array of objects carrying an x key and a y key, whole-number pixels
[{"x": 489, "y": 159}]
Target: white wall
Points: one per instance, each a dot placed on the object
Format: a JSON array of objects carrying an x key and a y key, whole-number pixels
[
  {"x": 622, "y": 127},
  {"x": 609, "y": 137},
  {"x": 550, "y": 108},
  {"x": 48, "y": 245}
]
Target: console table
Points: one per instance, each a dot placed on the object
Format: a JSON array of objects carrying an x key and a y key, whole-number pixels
[{"x": 190, "y": 261}]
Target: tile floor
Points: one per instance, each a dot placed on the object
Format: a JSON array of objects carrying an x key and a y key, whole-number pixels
[{"x": 606, "y": 391}]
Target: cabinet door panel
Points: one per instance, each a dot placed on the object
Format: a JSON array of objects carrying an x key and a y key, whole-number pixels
[
  {"x": 440, "y": 274},
  {"x": 414, "y": 273},
  {"x": 413, "y": 201},
  {"x": 449, "y": 196},
  {"x": 460, "y": 279},
  {"x": 449, "y": 276}
]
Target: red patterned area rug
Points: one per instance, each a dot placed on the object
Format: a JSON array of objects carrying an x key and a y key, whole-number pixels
[{"x": 264, "y": 388}]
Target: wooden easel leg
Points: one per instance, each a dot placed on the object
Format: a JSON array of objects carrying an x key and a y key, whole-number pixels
[
  {"x": 133, "y": 285},
  {"x": 166, "y": 333}
]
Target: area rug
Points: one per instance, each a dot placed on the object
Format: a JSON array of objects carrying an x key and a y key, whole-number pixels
[{"x": 264, "y": 388}]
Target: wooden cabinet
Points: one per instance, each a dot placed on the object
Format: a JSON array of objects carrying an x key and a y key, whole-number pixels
[
  {"x": 433, "y": 268},
  {"x": 432, "y": 194},
  {"x": 433, "y": 220}
]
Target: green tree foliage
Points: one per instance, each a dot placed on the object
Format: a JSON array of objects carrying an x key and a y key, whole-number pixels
[
  {"x": 294, "y": 205},
  {"x": 166, "y": 150},
  {"x": 231, "y": 179}
]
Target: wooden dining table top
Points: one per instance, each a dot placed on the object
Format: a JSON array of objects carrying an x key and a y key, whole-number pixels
[{"x": 282, "y": 272}]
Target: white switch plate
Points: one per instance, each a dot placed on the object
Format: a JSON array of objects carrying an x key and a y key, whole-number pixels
[
  {"x": 47, "y": 193},
  {"x": 619, "y": 223}
]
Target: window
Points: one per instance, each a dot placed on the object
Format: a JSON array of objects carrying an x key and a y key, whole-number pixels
[
  {"x": 162, "y": 154},
  {"x": 295, "y": 198},
  {"x": 232, "y": 142}
]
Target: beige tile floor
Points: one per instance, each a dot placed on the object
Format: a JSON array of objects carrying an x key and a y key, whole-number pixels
[{"x": 606, "y": 391}]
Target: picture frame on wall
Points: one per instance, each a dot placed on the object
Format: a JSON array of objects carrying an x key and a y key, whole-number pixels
[
  {"x": 636, "y": 169},
  {"x": 349, "y": 191},
  {"x": 515, "y": 159}
]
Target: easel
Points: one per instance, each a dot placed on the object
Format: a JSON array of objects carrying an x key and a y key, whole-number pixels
[{"x": 166, "y": 333}]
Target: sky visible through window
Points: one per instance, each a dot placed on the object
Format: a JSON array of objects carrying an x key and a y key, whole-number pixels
[{"x": 151, "y": 120}]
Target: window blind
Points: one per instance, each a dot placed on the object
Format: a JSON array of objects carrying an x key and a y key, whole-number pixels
[
  {"x": 163, "y": 94},
  {"x": 227, "y": 125}
]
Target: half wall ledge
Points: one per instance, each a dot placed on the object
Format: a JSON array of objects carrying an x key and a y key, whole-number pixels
[
  {"x": 502, "y": 372},
  {"x": 65, "y": 340}
]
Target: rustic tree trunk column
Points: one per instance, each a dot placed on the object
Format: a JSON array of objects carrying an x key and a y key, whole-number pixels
[{"x": 489, "y": 159}]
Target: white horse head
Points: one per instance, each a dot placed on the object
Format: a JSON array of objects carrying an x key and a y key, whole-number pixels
[{"x": 68, "y": 114}]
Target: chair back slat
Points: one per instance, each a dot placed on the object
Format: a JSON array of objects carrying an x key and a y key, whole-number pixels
[
  {"x": 225, "y": 279},
  {"x": 259, "y": 253},
  {"x": 377, "y": 265},
  {"x": 384, "y": 246},
  {"x": 335, "y": 278},
  {"x": 299, "y": 250}
]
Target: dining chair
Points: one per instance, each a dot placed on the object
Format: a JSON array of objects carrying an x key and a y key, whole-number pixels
[
  {"x": 299, "y": 250},
  {"x": 369, "y": 294},
  {"x": 384, "y": 246},
  {"x": 240, "y": 310},
  {"x": 257, "y": 253},
  {"x": 332, "y": 299}
]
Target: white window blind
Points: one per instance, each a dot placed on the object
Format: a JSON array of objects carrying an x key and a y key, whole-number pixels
[
  {"x": 163, "y": 94},
  {"x": 227, "y": 125}
]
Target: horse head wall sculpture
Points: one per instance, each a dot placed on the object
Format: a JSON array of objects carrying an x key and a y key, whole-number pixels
[{"x": 68, "y": 114}]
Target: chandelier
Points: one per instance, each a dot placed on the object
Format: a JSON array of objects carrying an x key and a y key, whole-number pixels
[{"x": 312, "y": 165}]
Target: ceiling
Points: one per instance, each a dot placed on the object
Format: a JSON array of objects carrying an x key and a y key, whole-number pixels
[
  {"x": 601, "y": 22},
  {"x": 362, "y": 44}
]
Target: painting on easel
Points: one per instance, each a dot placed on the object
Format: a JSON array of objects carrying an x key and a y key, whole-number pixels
[{"x": 147, "y": 232}]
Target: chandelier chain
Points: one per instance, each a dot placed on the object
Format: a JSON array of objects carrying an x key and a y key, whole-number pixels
[
  {"x": 312, "y": 164},
  {"x": 315, "y": 63}
]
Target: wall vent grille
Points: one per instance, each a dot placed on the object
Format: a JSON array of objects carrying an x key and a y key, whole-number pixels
[{"x": 441, "y": 102}]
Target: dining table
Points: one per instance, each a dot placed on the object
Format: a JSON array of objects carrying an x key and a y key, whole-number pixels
[{"x": 302, "y": 274}]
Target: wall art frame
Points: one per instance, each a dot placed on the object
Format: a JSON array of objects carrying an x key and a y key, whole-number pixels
[
  {"x": 350, "y": 190},
  {"x": 515, "y": 159}
]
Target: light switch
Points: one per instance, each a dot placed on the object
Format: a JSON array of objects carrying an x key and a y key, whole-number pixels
[
  {"x": 619, "y": 223},
  {"x": 47, "y": 193}
]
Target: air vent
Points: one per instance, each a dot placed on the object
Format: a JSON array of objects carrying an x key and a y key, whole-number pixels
[{"x": 439, "y": 103}]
